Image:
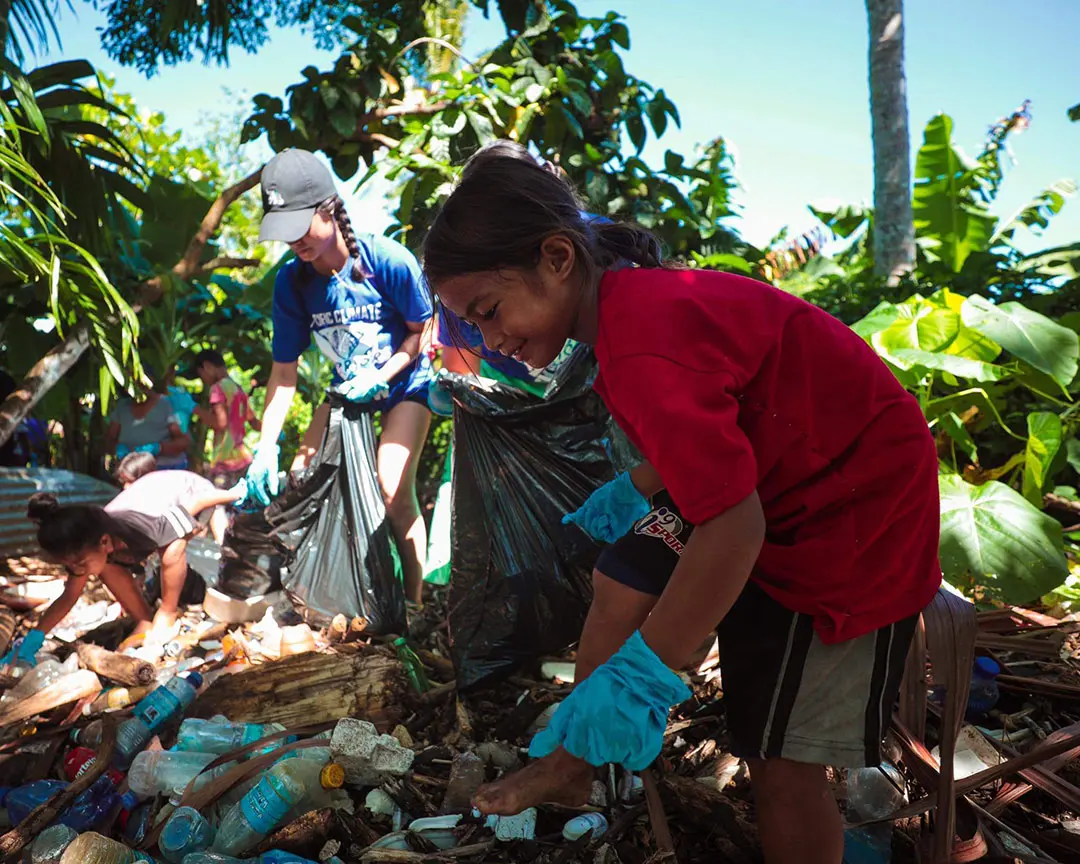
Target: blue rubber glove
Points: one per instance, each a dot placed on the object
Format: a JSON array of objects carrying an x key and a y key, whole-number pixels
[
  {"x": 619, "y": 713},
  {"x": 262, "y": 474},
  {"x": 439, "y": 400},
  {"x": 611, "y": 511},
  {"x": 365, "y": 386},
  {"x": 153, "y": 449},
  {"x": 26, "y": 648}
]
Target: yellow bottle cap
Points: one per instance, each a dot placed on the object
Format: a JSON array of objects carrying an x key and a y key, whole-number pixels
[{"x": 332, "y": 776}]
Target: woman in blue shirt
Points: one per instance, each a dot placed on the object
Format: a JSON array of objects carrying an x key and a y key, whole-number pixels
[{"x": 364, "y": 301}]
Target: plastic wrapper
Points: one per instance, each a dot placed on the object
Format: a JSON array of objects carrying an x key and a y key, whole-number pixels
[
  {"x": 521, "y": 581},
  {"x": 331, "y": 526}
]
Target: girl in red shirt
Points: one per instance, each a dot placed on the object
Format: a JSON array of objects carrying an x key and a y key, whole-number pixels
[{"x": 807, "y": 472}]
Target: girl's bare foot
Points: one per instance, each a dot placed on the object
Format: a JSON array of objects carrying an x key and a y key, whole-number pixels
[{"x": 559, "y": 778}]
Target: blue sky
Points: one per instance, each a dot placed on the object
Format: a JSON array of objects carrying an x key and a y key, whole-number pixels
[{"x": 784, "y": 81}]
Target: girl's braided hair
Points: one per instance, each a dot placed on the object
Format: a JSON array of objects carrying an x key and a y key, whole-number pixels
[{"x": 335, "y": 208}]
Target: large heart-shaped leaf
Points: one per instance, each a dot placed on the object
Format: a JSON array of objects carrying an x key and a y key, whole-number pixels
[
  {"x": 1032, "y": 337},
  {"x": 962, "y": 367},
  {"x": 992, "y": 537},
  {"x": 1045, "y": 435},
  {"x": 919, "y": 325}
]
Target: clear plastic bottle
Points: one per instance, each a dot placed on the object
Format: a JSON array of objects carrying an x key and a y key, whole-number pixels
[
  {"x": 91, "y": 848},
  {"x": 224, "y": 736},
  {"x": 259, "y": 812},
  {"x": 51, "y": 843},
  {"x": 159, "y": 772},
  {"x": 216, "y": 858},
  {"x": 186, "y": 831},
  {"x": 874, "y": 793},
  {"x": 579, "y": 826},
  {"x": 170, "y": 701},
  {"x": 322, "y": 785},
  {"x": 38, "y": 677}
]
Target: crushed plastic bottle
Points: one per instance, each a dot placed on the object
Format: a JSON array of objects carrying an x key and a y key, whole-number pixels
[
  {"x": 322, "y": 786},
  {"x": 81, "y": 759},
  {"x": 520, "y": 826},
  {"x": 260, "y": 811},
  {"x": 86, "y": 811},
  {"x": 871, "y": 844},
  {"x": 586, "y": 823},
  {"x": 983, "y": 694},
  {"x": 186, "y": 831},
  {"x": 138, "y": 823},
  {"x": 51, "y": 843},
  {"x": 157, "y": 772},
  {"x": 414, "y": 669},
  {"x": 92, "y": 848},
  {"x": 223, "y": 736},
  {"x": 874, "y": 793}
]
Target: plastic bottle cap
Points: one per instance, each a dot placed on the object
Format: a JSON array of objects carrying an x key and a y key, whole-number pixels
[
  {"x": 332, "y": 776},
  {"x": 988, "y": 666},
  {"x": 196, "y": 679}
]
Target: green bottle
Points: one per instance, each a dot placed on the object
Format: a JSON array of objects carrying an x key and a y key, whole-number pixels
[{"x": 414, "y": 669}]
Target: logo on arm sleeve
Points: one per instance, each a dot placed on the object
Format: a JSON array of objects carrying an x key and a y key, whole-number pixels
[{"x": 664, "y": 525}]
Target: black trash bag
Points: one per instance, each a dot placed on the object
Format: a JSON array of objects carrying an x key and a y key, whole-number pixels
[
  {"x": 251, "y": 560},
  {"x": 331, "y": 524},
  {"x": 521, "y": 581}
]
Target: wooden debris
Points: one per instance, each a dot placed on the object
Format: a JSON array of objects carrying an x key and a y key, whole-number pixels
[
  {"x": 304, "y": 837},
  {"x": 311, "y": 688},
  {"x": 121, "y": 668},
  {"x": 7, "y": 629}
]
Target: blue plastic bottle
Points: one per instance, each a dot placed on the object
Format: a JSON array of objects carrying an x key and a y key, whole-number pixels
[
  {"x": 259, "y": 812},
  {"x": 186, "y": 832},
  {"x": 170, "y": 701},
  {"x": 984, "y": 693},
  {"x": 87, "y": 810},
  {"x": 166, "y": 703}
]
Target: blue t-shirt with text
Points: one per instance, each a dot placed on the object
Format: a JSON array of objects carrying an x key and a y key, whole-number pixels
[{"x": 356, "y": 325}]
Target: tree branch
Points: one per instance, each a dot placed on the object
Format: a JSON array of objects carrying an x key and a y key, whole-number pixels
[
  {"x": 224, "y": 262},
  {"x": 188, "y": 266},
  {"x": 378, "y": 138}
]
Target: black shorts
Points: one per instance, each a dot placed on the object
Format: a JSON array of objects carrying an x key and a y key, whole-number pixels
[
  {"x": 786, "y": 694},
  {"x": 145, "y": 533}
]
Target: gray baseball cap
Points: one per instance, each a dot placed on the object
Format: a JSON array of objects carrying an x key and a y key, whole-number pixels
[{"x": 294, "y": 183}]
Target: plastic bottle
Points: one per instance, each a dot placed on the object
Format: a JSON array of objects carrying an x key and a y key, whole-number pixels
[
  {"x": 871, "y": 844},
  {"x": 51, "y": 843},
  {"x": 984, "y": 693},
  {"x": 86, "y": 811},
  {"x": 159, "y": 772},
  {"x": 215, "y": 858},
  {"x": 224, "y": 736},
  {"x": 81, "y": 759},
  {"x": 132, "y": 736},
  {"x": 322, "y": 785},
  {"x": 581, "y": 825},
  {"x": 414, "y": 669},
  {"x": 138, "y": 823},
  {"x": 170, "y": 701},
  {"x": 186, "y": 831},
  {"x": 260, "y": 811},
  {"x": 874, "y": 793},
  {"x": 89, "y": 735},
  {"x": 91, "y": 848},
  {"x": 36, "y": 678},
  {"x": 467, "y": 774}
]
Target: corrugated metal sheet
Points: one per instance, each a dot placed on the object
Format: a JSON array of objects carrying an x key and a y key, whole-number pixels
[{"x": 17, "y": 533}]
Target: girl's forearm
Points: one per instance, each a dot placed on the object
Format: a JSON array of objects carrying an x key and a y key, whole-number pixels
[
  {"x": 403, "y": 357},
  {"x": 62, "y": 605},
  {"x": 710, "y": 576},
  {"x": 279, "y": 395},
  {"x": 646, "y": 479},
  {"x": 211, "y": 499}
]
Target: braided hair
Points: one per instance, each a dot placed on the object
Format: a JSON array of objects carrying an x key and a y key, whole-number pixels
[{"x": 335, "y": 207}]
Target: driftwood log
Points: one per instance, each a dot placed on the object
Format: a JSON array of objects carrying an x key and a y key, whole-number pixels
[
  {"x": 121, "y": 668},
  {"x": 311, "y": 688},
  {"x": 7, "y": 629}
]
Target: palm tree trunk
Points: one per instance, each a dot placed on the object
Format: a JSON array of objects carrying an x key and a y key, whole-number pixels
[{"x": 894, "y": 231}]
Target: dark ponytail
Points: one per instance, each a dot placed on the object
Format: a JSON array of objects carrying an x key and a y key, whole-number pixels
[
  {"x": 67, "y": 530},
  {"x": 335, "y": 207},
  {"x": 502, "y": 211}
]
